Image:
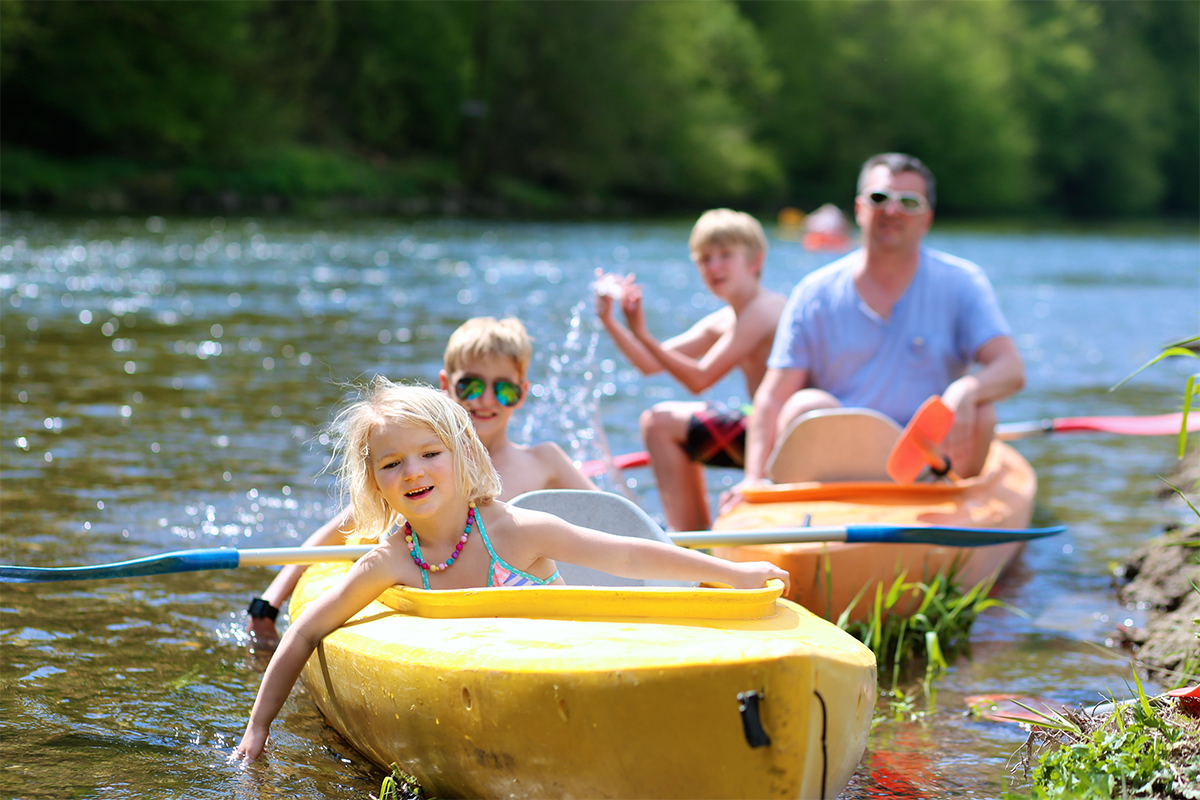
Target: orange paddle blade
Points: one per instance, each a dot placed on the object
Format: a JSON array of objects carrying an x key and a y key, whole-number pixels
[{"x": 917, "y": 445}]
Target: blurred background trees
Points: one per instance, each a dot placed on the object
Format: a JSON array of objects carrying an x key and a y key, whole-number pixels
[{"x": 1067, "y": 108}]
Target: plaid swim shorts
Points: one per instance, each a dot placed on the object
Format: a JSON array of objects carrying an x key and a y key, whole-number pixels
[{"x": 717, "y": 436}]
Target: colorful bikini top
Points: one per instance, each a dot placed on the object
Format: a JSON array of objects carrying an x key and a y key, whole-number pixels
[{"x": 500, "y": 572}]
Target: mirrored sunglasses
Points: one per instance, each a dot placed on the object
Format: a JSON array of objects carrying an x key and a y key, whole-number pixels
[
  {"x": 909, "y": 202},
  {"x": 508, "y": 394}
]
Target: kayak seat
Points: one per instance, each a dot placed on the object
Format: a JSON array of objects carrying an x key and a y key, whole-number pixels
[
  {"x": 834, "y": 445},
  {"x": 602, "y": 511}
]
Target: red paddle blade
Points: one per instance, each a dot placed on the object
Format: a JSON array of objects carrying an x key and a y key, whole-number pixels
[
  {"x": 1012, "y": 707},
  {"x": 1160, "y": 425},
  {"x": 626, "y": 461},
  {"x": 916, "y": 448}
]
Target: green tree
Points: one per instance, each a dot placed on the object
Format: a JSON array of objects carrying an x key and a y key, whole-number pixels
[
  {"x": 138, "y": 79},
  {"x": 649, "y": 99},
  {"x": 1099, "y": 104},
  {"x": 930, "y": 78}
]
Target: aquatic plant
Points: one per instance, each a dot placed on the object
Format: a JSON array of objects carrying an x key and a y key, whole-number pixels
[
  {"x": 400, "y": 786},
  {"x": 938, "y": 629}
]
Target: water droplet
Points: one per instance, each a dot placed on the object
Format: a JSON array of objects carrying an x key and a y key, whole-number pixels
[
  {"x": 216, "y": 330},
  {"x": 155, "y": 447},
  {"x": 268, "y": 363},
  {"x": 130, "y": 367},
  {"x": 126, "y": 411},
  {"x": 227, "y": 476},
  {"x": 49, "y": 457}
]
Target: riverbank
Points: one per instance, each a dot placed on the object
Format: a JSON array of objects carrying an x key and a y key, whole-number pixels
[{"x": 1163, "y": 578}]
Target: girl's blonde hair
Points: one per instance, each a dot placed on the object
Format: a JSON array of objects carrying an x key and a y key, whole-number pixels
[{"x": 387, "y": 403}]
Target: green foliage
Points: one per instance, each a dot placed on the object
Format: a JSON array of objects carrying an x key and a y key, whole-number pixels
[
  {"x": 1078, "y": 107},
  {"x": 1144, "y": 748},
  {"x": 928, "y": 78}
]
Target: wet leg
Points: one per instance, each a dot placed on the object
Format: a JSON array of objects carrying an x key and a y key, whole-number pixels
[{"x": 681, "y": 481}]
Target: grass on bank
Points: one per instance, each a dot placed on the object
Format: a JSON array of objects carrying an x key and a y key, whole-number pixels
[{"x": 1148, "y": 747}]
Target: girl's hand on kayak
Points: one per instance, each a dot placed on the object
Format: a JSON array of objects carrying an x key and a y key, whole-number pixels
[
  {"x": 252, "y": 744},
  {"x": 755, "y": 574}
]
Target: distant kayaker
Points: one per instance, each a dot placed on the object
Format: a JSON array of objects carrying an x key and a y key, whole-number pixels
[
  {"x": 887, "y": 326},
  {"x": 486, "y": 364},
  {"x": 729, "y": 248},
  {"x": 410, "y": 453}
]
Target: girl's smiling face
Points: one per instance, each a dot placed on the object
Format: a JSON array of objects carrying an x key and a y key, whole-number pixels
[{"x": 413, "y": 469}]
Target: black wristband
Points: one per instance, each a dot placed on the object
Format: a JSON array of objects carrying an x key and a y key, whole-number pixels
[{"x": 260, "y": 609}]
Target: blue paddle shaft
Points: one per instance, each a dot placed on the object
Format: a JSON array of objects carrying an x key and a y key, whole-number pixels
[{"x": 166, "y": 563}]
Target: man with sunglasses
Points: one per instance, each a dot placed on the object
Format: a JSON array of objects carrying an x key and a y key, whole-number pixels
[{"x": 887, "y": 326}]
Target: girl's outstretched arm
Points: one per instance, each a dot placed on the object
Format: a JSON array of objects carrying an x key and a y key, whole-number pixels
[
  {"x": 631, "y": 557},
  {"x": 365, "y": 581}
]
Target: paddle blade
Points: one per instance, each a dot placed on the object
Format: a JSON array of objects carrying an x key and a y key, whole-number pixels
[
  {"x": 863, "y": 534},
  {"x": 914, "y": 450},
  {"x": 1160, "y": 425},
  {"x": 626, "y": 461},
  {"x": 166, "y": 563},
  {"x": 949, "y": 537}
]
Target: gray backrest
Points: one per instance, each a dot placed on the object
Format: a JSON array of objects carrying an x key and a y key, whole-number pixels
[{"x": 602, "y": 511}]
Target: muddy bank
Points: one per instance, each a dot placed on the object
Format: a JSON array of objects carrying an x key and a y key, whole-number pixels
[{"x": 1162, "y": 577}]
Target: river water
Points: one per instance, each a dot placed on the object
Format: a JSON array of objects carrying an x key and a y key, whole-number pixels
[{"x": 164, "y": 384}]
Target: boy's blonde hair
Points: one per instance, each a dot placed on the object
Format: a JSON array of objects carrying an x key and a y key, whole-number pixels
[
  {"x": 387, "y": 403},
  {"x": 726, "y": 227},
  {"x": 480, "y": 337}
]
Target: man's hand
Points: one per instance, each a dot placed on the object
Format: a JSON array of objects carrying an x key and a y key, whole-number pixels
[{"x": 960, "y": 397}]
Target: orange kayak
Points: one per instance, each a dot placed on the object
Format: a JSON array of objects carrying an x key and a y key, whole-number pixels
[{"x": 826, "y": 578}]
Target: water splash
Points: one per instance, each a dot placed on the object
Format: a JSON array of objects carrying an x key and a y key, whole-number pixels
[{"x": 567, "y": 404}]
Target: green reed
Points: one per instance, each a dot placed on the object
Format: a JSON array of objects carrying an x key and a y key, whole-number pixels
[{"x": 936, "y": 631}]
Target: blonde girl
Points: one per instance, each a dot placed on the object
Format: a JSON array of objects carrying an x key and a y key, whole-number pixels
[{"x": 411, "y": 453}]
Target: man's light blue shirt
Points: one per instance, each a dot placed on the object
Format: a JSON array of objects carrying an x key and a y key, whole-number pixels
[{"x": 891, "y": 365}]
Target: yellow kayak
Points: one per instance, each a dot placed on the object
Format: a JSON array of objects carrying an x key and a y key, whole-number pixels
[{"x": 596, "y": 692}]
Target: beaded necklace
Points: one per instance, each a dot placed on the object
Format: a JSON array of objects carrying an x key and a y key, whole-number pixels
[{"x": 414, "y": 546}]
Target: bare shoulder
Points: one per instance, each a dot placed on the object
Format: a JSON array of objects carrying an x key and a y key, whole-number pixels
[
  {"x": 559, "y": 469},
  {"x": 765, "y": 308},
  {"x": 522, "y": 526}
]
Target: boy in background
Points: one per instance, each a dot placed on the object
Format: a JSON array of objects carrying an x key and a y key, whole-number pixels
[
  {"x": 485, "y": 367},
  {"x": 728, "y": 248}
]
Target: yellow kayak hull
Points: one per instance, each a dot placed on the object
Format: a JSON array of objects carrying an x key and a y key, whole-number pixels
[
  {"x": 595, "y": 692},
  {"x": 827, "y": 578}
]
